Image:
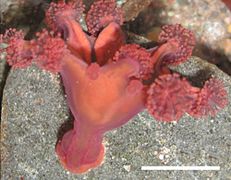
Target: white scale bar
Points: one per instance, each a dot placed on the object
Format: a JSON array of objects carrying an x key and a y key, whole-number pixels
[{"x": 180, "y": 168}]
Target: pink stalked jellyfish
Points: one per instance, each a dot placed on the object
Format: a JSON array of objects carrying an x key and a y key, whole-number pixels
[
  {"x": 102, "y": 95},
  {"x": 107, "y": 81}
]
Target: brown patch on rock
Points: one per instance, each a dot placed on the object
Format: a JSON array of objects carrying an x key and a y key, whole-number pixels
[{"x": 132, "y": 8}]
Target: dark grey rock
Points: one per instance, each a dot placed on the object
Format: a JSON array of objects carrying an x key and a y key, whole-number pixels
[
  {"x": 34, "y": 108},
  {"x": 3, "y": 72}
]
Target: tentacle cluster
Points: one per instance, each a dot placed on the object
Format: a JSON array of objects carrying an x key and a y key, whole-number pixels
[
  {"x": 183, "y": 37},
  {"x": 101, "y": 13},
  {"x": 169, "y": 97},
  {"x": 139, "y": 54},
  {"x": 49, "y": 51},
  {"x": 210, "y": 100},
  {"x": 18, "y": 52},
  {"x": 72, "y": 9}
]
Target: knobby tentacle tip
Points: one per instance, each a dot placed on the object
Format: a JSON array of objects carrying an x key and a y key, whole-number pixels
[
  {"x": 101, "y": 13},
  {"x": 184, "y": 39},
  {"x": 211, "y": 98},
  {"x": 49, "y": 51}
]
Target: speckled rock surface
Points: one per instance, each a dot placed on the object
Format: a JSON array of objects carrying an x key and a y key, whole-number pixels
[
  {"x": 30, "y": 123},
  {"x": 34, "y": 108}
]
